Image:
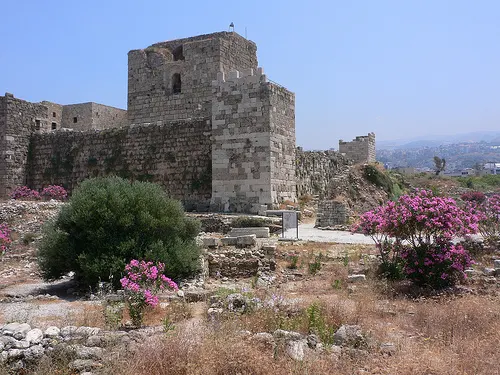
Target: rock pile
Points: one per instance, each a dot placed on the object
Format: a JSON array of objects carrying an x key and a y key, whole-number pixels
[{"x": 22, "y": 346}]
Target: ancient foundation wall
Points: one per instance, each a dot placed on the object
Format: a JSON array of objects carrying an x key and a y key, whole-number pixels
[
  {"x": 331, "y": 213},
  {"x": 316, "y": 170},
  {"x": 177, "y": 156}
]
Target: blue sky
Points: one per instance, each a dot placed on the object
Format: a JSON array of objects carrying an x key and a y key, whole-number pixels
[{"x": 402, "y": 69}]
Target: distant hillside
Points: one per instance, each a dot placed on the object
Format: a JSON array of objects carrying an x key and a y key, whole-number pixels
[
  {"x": 438, "y": 140},
  {"x": 458, "y": 155}
]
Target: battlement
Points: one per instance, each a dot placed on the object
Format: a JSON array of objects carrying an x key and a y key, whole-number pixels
[{"x": 249, "y": 75}]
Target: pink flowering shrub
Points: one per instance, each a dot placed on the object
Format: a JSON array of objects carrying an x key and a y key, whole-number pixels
[
  {"x": 473, "y": 196},
  {"x": 25, "y": 193},
  {"x": 488, "y": 212},
  {"x": 416, "y": 233},
  {"x": 4, "y": 238},
  {"x": 142, "y": 282},
  {"x": 54, "y": 192}
]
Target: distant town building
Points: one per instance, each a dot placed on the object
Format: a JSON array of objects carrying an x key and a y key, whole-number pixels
[{"x": 491, "y": 168}]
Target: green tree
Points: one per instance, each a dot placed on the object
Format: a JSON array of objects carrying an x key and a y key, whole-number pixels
[
  {"x": 110, "y": 221},
  {"x": 439, "y": 164}
]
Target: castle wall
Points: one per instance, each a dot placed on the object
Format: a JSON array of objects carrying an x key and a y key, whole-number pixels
[
  {"x": 248, "y": 166},
  {"x": 105, "y": 117},
  {"x": 282, "y": 144},
  {"x": 315, "y": 170},
  {"x": 152, "y": 93},
  {"x": 77, "y": 116},
  {"x": 54, "y": 116},
  {"x": 18, "y": 120},
  {"x": 360, "y": 150},
  {"x": 177, "y": 156}
]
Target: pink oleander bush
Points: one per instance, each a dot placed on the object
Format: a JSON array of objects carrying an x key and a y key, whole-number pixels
[
  {"x": 4, "y": 238},
  {"x": 54, "y": 192},
  {"x": 473, "y": 196},
  {"x": 25, "y": 193},
  {"x": 414, "y": 236},
  {"x": 142, "y": 282},
  {"x": 488, "y": 212}
]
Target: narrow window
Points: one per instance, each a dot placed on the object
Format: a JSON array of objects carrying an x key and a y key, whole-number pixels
[
  {"x": 37, "y": 124},
  {"x": 75, "y": 120},
  {"x": 176, "y": 83},
  {"x": 178, "y": 53},
  {"x": 53, "y": 114},
  {"x": 54, "y": 126}
]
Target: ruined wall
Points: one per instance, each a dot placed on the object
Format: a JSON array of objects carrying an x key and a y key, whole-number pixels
[
  {"x": 316, "y": 170},
  {"x": 245, "y": 150},
  {"x": 332, "y": 213},
  {"x": 360, "y": 150},
  {"x": 18, "y": 120},
  {"x": 172, "y": 80},
  {"x": 177, "y": 156}
]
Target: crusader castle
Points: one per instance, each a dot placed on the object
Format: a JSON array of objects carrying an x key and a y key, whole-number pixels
[{"x": 202, "y": 120}]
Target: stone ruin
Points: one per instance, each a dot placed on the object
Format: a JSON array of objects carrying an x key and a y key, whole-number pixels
[
  {"x": 360, "y": 150},
  {"x": 202, "y": 120}
]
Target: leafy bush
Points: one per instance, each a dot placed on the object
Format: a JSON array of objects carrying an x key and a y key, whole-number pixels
[
  {"x": 108, "y": 222},
  {"x": 248, "y": 221},
  {"x": 416, "y": 232},
  {"x": 54, "y": 192},
  {"x": 4, "y": 238},
  {"x": 25, "y": 193},
  {"x": 378, "y": 178}
]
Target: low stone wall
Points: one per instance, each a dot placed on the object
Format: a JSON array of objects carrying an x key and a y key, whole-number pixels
[
  {"x": 238, "y": 257},
  {"x": 22, "y": 346},
  {"x": 331, "y": 213}
]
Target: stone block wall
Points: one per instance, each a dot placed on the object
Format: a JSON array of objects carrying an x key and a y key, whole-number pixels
[
  {"x": 316, "y": 170},
  {"x": 331, "y": 213},
  {"x": 172, "y": 80},
  {"x": 252, "y": 128},
  {"x": 54, "y": 117},
  {"x": 282, "y": 126},
  {"x": 360, "y": 150},
  {"x": 106, "y": 117},
  {"x": 77, "y": 116},
  {"x": 18, "y": 120},
  {"x": 87, "y": 116},
  {"x": 177, "y": 156}
]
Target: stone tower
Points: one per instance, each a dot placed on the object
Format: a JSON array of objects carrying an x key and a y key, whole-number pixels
[{"x": 173, "y": 80}]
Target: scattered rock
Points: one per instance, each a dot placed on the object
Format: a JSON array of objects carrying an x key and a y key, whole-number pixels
[
  {"x": 349, "y": 335},
  {"x": 34, "y": 336},
  {"x": 356, "y": 278},
  {"x": 296, "y": 349}
]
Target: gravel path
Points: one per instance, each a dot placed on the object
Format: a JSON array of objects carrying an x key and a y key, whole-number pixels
[{"x": 307, "y": 232}]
